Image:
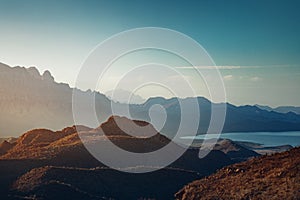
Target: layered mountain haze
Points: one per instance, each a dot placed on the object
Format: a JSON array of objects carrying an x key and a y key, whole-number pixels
[
  {"x": 149, "y": 100},
  {"x": 37, "y": 101},
  {"x": 47, "y": 164},
  {"x": 238, "y": 118},
  {"x": 34, "y": 101},
  {"x": 281, "y": 109},
  {"x": 123, "y": 96}
]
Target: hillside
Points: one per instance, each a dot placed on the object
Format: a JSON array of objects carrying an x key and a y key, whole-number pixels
[
  {"x": 47, "y": 144},
  {"x": 275, "y": 176},
  {"x": 64, "y": 149},
  {"x": 100, "y": 183}
]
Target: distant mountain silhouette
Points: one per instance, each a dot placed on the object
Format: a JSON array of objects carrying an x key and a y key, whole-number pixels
[
  {"x": 275, "y": 176},
  {"x": 30, "y": 100},
  {"x": 123, "y": 96},
  {"x": 235, "y": 151},
  {"x": 238, "y": 118},
  {"x": 281, "y": 109}
]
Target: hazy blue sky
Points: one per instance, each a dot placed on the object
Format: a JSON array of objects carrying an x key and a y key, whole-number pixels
[{"x": 259, "y": 38}]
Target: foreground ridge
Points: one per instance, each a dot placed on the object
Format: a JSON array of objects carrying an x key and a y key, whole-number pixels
[{"x": 275, "y": 176}]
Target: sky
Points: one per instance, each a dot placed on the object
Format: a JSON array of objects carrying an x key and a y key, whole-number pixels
[{"x": 255, "y": 44}]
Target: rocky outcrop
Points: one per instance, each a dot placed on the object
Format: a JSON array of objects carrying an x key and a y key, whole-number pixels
[{"x": 5, "y": 146}]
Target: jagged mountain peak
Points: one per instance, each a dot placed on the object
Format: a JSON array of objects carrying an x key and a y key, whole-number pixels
[{"x": 47, "y": 76}]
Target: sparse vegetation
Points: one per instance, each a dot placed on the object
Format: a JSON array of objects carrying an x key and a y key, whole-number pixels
[{"x": 274, "y": 176}]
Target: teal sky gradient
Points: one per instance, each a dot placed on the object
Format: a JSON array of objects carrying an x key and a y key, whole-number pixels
[{"x": 260, "y": 38}]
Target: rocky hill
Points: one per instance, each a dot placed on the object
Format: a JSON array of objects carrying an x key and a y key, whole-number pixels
[
  {"x": 275, "y": 176},
  {"x": 64, "y": 150},
  {"x": 47, "y": 144},
  {"x": 65, "y": 147}
]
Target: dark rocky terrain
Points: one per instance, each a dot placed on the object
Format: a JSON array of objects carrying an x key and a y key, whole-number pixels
[
  {"x": 274, "y": 176},
  {"x": 100, "y": 183},
  {"x": 42, "y": 161}
]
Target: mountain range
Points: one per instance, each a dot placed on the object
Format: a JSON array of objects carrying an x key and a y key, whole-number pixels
[
  {"x": 35, "y": 100},
  {"x": 47, "y": 164},
  {"x": 281, "y": 109}
]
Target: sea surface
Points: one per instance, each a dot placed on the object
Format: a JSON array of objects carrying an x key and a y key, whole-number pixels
[{"x": 264, "y": 138}]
